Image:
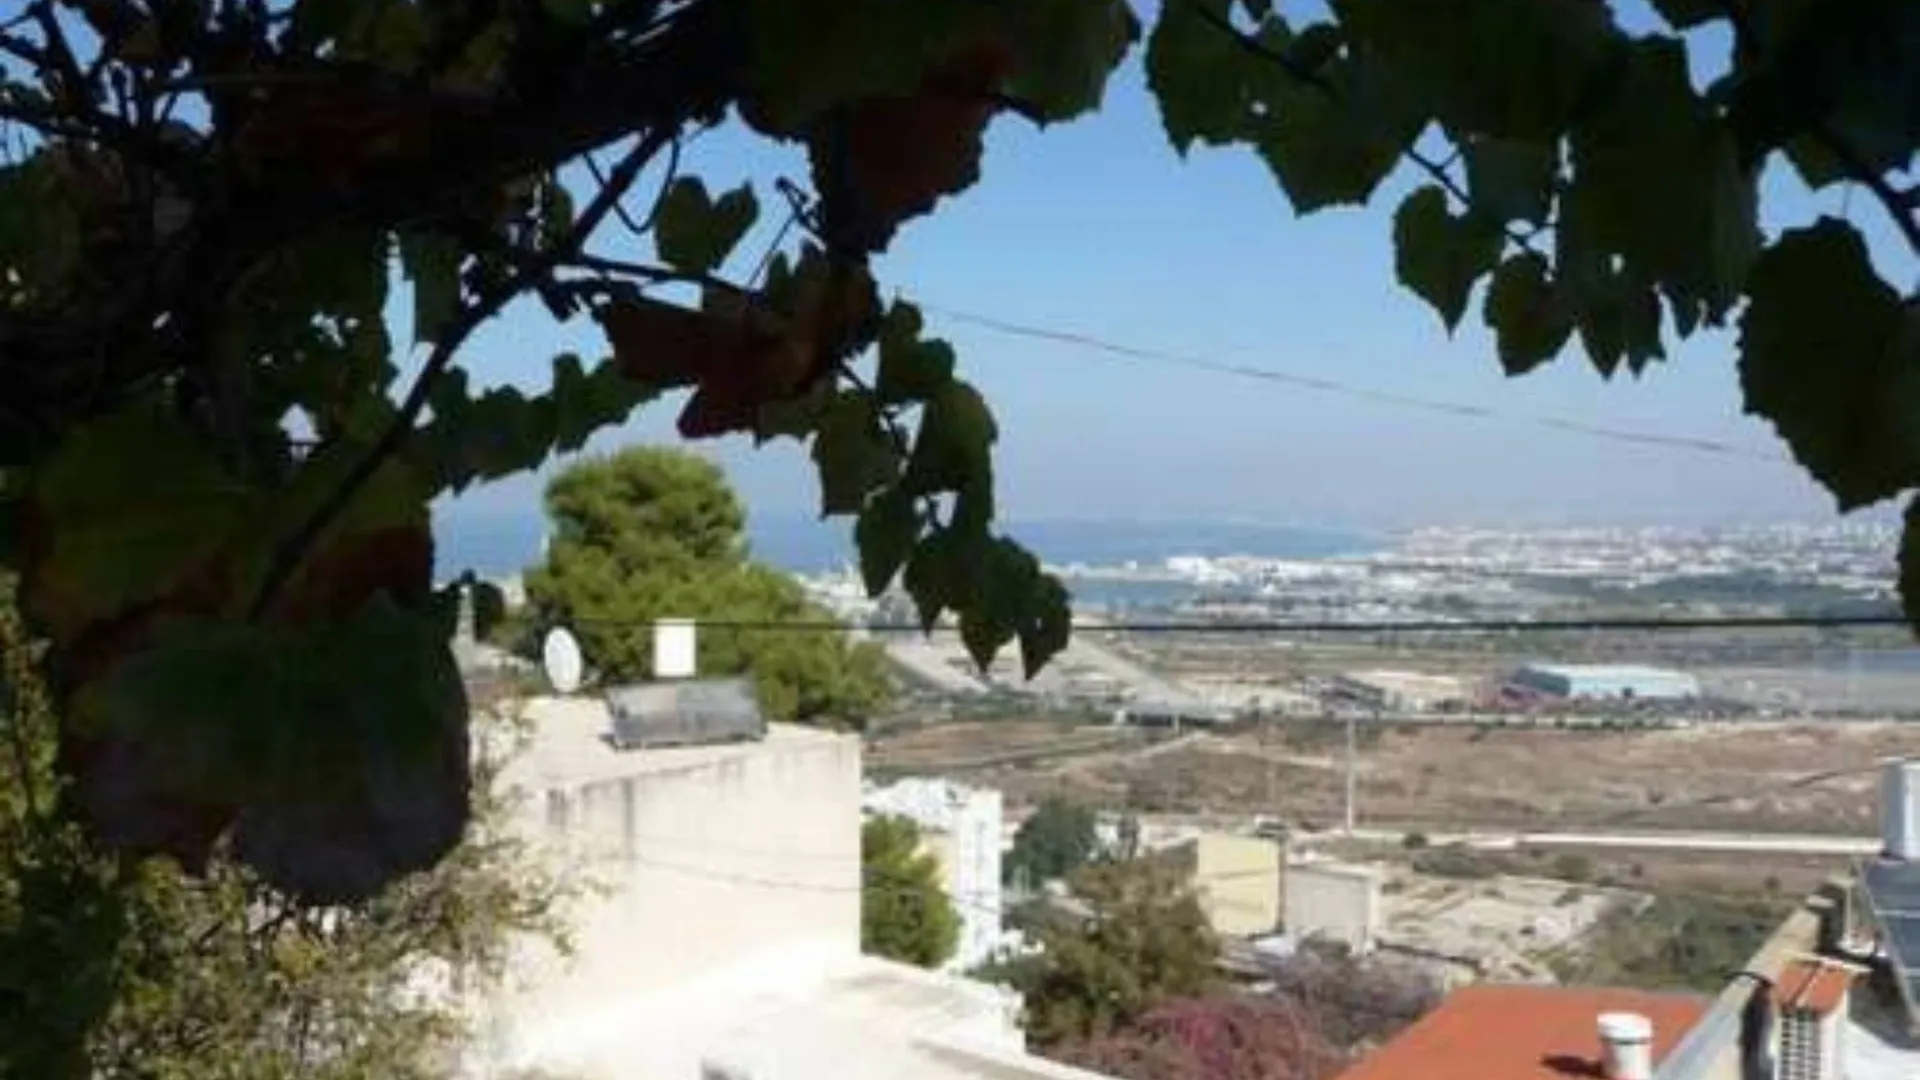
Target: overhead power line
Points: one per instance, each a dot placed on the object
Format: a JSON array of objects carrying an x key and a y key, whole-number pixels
[
  {"x": 1329, "y": 626},
  {"x": 1196, "y": 362}
]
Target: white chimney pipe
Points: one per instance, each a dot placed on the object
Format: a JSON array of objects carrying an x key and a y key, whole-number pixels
[
  {"x": 1900, "y": 810},
  {"x": 1626, "y": 1044},
  {"x": 675, "y": 649}
]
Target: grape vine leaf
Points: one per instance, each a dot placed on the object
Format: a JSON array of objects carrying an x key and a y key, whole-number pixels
[
  {"x": 1825, "y": 357},
  {"x": 130, "y": 508},
  {"x": 933, "y": 576},
  {"x": 1661, "y": 177},
  {"x": 853, "y": 453},
  {"x": 806, "y": 58},
  {"x": 695, "y": 232},
  {"x": 884, "y": 160},
  {"x": 1335, "y": 142},
  {"x": 954, "y": 442},
  {"x": 1528, "y": 317},
  {"x": 1197, "y": 71},
  {"x": 1510, "y": 180},
  {"x": 910, "y": 369},
  {"x": 1687, "y": 14},
  {"x": 1507, "y": 68},
  {"x": 1081, "y": 41},
  {"x": 1908, "y": 562},
  {"x": 1047, "y": 625},
  {"x": 1440, "y": 256},
  {"x": 361, "y": 776},
  {"x": 885, "y": 533},
  {"x": 1001, "y": 579},
  {"x": 432, "y": 264},
  {"x": 1620, "y": 317}
]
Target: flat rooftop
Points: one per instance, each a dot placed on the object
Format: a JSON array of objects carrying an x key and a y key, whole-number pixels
[
  {"x": 568, "y": 746},
  {"x": 885, "y": 1021}
]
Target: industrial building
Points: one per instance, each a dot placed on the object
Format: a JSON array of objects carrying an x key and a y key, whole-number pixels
[
  {"x": 1400, "y": 691},
  {"x": 1605, "y": 682}
]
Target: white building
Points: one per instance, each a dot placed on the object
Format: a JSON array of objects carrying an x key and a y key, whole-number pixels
[
  {"x": 960, "y": 827},
  {"x": 719, "y": 931}
]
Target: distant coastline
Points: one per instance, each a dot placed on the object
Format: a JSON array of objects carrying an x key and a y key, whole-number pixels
[{"x": 497, "y": 544}]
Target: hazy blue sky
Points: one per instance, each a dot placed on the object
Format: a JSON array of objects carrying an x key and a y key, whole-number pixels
[{"x": 1098, "y": 227}]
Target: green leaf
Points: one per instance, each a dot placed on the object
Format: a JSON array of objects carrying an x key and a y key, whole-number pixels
[
  {"x": 910, "y": 369},
  {"x": 1620, "y": 318},
  {"x": 1687, "y": 14},
  {"x": 954, "y": 442},
  {"x": 1440, "y": 256},
  {"x": 1314, "y": 47},
  {"x": 1827, "y": 356},
  {"x": 695, "y": 233},
  {"x": 242, "y": 713},
  {"x": 1072, "y": 46},
  {"x": 1002, "y": 583},
  {"x": 39, "y": 228},
  {"x": 1328, "y": 147},
  {"x": 1909, "y": 564},
  {"x": 585, "y": 403},
  {"x": 1509, "y": 180},
  {"x": 1660, "y": 182},
  {"x": 885, "y": 533},
  {"x": 1507, "y": 68},
  {"x": 1197, "y": 72},
  {"x": 795, "y": 417},
  {"x": 934, "y": 576},
  {"x": 1048, "y": 624},
  {"x": 801, "y": 63},
  {"x": 132, "y": 505},
  {"x": 391, "y": 33},
  {"x": 571, "y": 12},
  {"x": 432, "y": 264},
  {"x": 1526, "y": 314},
  {"x": 854, "y": 454}
]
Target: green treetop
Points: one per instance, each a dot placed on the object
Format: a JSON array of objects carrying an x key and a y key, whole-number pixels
[{"x": 651, "y": 533}]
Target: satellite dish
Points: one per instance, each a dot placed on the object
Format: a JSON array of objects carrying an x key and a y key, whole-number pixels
[{"x": 560, "y": 658}]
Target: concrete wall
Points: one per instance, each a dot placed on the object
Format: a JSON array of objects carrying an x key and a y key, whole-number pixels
[
  {"x": 1333, "y": 901},
  {"x": 739, "y": 858},
  {"x": 1238, "y": 881}
]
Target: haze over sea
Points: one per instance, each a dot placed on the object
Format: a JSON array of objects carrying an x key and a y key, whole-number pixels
[{"x": 496, "y": 545}]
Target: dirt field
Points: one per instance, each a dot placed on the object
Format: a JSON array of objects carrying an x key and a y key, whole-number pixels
[{"x": 1748, "y": 778}]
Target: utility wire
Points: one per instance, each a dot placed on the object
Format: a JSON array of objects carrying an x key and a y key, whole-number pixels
[
  {"x": 1195, "y": 362},
  {"x": 1324, "y": 626}
]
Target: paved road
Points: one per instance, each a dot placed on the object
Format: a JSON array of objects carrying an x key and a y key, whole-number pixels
[{"x": 1772, "y": 843}]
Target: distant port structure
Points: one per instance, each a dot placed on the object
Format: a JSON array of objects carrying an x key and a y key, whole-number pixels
[{"x": 1603, "y": 682}]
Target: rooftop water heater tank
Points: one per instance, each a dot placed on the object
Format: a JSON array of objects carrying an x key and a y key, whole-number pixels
[{"x": 1899, "y": 813}]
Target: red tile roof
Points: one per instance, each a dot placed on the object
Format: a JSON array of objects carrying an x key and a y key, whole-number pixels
[
  {"x": 1811, "y": 986},
  {"x": 1488, "y": 1032}
]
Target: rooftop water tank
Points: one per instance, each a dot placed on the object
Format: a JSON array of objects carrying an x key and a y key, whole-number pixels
[
  {"x": 1899, "y": 814},
  {"x": 675, "y": 649},
  {"x": 1626, "y": 1045}
]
